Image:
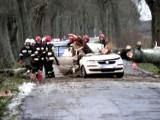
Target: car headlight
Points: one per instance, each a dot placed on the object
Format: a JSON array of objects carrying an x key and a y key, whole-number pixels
[
  {"x": 91, "y": 62},
  {"x": 119, "y": 60}
]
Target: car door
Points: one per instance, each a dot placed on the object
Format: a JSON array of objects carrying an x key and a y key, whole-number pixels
[{"x": 63, "y": 57}]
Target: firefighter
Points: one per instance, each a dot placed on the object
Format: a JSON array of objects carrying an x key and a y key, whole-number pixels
[
  {"x": 33, "y": 42},
  {"x": 72, "y": 38},
  {"x": 44, "y": 54},
  {"x": 43, "y": 40},
  {"x": 102, "y": 39},
  {"x": 25, "y": 55},
  {"x": 79, "y": 50},
  {"x": 86, "y": 39},
  {"x": 49, "y": 56},
  {"x": 37, "y": 55},
  {"x": 86, "y": 48}
]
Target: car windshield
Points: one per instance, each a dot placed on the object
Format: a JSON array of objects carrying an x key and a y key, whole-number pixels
[
  {"x": 61, "y": 48},
  {"x": 95, "y": 47}
]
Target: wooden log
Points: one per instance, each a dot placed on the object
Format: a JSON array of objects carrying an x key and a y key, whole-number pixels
[
  {"x": 12, "y": 72},
  {"x": 145, "y": 55}
]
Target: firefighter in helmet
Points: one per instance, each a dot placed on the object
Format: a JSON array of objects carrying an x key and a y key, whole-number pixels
[
  {"x": 44, "y": 42},
  {"x": 37, "y": 55},
  {"x": 72, "y": 38},
  {"x": 33, "y": 42},
  {"x": 102, "y": 39},
  {"x": 79, "y": 51},
  {"x": 25, "y": 55},
  {"x": 49, "y": 56},
  {"x": 86, "y": 39},
  {"x": 70, "y": 44}
]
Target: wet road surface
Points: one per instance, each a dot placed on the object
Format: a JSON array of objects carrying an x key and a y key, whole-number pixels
[
  {"x": 93, "y": 100},
  {"x": 134, "y": 97}
]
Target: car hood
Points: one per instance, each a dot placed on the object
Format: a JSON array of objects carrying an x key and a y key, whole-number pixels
[{"x": 99, "y": 56}]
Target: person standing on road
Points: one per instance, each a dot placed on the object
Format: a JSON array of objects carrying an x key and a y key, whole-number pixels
[
  {"x": 25, "y": 55},
  {"x": 44, "y": 55},
  {"x": 37, "y": 55},
  {"x": 49, "y": 56},
  {"x": 72, "y": 38},
  {"x": 33, "y": 42},
  {"x": 79, "y": 49}
]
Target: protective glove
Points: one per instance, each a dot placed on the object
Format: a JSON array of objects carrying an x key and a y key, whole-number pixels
[{"x": 20, "y": 61}]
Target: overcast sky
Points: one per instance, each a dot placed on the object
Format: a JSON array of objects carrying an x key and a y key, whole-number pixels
[{"x": 144, "y": 11}]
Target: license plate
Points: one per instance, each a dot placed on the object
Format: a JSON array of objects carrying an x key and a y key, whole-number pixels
[{"x": 107, "y": 66}]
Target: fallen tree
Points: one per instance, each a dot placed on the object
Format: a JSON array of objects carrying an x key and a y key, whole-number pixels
[
  {"x": 145, "y": 55},
  {"x": 13, "y": 72},
  {"x": 139, "y": 55}
]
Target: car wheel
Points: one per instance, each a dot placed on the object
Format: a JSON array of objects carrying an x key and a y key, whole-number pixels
[
  {"x": 83, "y": 72},
  {"x": 120, "y": 75}
]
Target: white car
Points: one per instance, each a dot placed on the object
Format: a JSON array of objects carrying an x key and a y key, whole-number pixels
[
  {"x": 91, "y": 63},
  {"x": 98, "y": 63}
]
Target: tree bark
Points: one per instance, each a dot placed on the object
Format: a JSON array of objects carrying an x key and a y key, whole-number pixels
[
  {"x": 12, "y": 72},
  {"x": 146, "y": 55},
  {"x": 6, "y": 56},
  {"x": 114, "y": 5},
  {"x": 154, "y": 6}
]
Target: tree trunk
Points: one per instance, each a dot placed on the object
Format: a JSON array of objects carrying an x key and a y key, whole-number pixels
[
  {"x": 146, "y": 55},
  {"x": 114, "y": 5},
  {"x": 154, "y": 6},
  {"x": 6, "y": 56},
  {"x": 39, "y": 15},
  {"x": 12, "y": 72}
]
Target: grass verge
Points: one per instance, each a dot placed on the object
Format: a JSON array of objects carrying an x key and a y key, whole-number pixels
[
  {"x": 149, "y": 67},
  {"x": 8, "y": 83}
]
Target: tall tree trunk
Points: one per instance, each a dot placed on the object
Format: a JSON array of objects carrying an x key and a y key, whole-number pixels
[
  {"x": 114, "y": 4},
  {"x": 154, "y": 6},
  {"x": 39, "y": 14},
  {"x": 6, "y": 56}
]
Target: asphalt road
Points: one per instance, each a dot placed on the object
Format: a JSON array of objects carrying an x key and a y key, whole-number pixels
[{"x": 134, "y": 97}]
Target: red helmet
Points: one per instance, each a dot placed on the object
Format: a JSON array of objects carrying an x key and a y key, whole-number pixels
[
  {"x": 48, "y": 38},
  {"x": 38, "y": 38},
  {"x": 86, "y": 37},
  {"x": 72, "y": 38},
  {"x": 102, "y": 36}
]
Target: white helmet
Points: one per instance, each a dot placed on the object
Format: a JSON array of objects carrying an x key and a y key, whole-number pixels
[
  {"x": 33, "y": 41},
  {"x": 43, "y": 39},
  {"x": 27, "y": 40}
]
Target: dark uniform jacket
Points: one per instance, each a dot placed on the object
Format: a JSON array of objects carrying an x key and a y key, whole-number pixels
[
  {"x": 102, "y": 42},
  {"x": 25, "y": 54},
  {"x": 50, "y": 52},
  {"x": 38, "y": 52}
]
